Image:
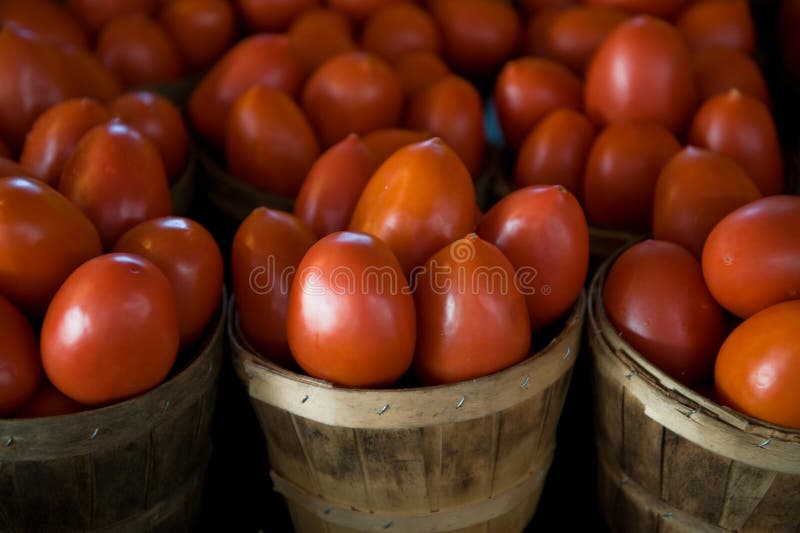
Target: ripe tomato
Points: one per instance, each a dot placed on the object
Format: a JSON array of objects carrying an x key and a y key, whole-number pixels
[
  {"x": 534, "y": 6},
  {"x": 9, "y": 168},
  {"x": 543, "y": 232},
  {"x": 351, "y": 318},
  {"x": 395, "y": 29},
  {"x": 656, "y": 298},
  {"x": 20, "y": 367},
  {"x": 117, "y": 179},
  {"x": 93, "y": 79},
  {"x": 272, "y": 15},
  {"x": 270, "y": 142},
  {"x": 718, "y": 70},
  {"x": 622, "y": 171},
  {"x": 359, "y": 10},
  {"x": 97, "y": 13},
  {"x": 417, "y": 70},
  {"x": 331, "y": 190},
  {"x": 698, "y": 188},
  {"x": 355, "y": 92},
  {"x": 642, "y": 71},
  {"x": 318, "y": 35},
  {"x": 471, "y": 315},
  {"x": 202, "y": 29},
  {"x": 555, "y": 151},
  {"x": 758, "y": 366},
  {"x": 267, "y": 249},
  {"x": 712, "y": 23},
  {"x": 751, "y": 259},
  {"x": 5, "y": 151},
  {"x": 529, "y": 88},
  {"x": 659, "y": 8},
  {"x": 419, "y": 200},
  {"x": 384, "y": 142},
  {"x": 265, "y": 60},
  {"x": 161, "y": 122},
  {"x": 55, "y": 134},
  {"x": 91, "y": 355},
  {"x": 44, "y": 17},
  {"x": 534, "y": 33},
  {"x": 49, "y": 401},
  {"x": 742, "y": 128}
]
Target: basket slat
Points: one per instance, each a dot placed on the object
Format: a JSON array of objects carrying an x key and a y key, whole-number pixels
[{"x": 641, "y": 451}]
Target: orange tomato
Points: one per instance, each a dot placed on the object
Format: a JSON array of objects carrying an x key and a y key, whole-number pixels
[
  {"x": 318, "y": 35},
  {"x": 49, "y": 401},
  {"x": 659, "y": 8},
  {"x": 718, "y": 70},
  {"x": 417, "y": 70},
  {"x": 20, "y": 367},
  {"x": 395, "y": 29},
  {"x": 10, "y": 168},
  {"x": 94, "y": 80},
  {"x": 202, "y": 29},
  {"x": 44, "y": 17},
  {"x": 712, "y": 23},
  {"x": 97, "y": 13},
  {"x": 384, "y": 142},
  {"x": 272, "y": 15}
]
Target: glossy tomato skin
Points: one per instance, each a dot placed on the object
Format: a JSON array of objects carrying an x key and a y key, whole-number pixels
[
  {"x": 656, "y": 299},
  {"x": 718, "y": 70},
  {"x": 94, "y": 80},
  {"x": 659, "y": 8},
  {"x": 642, "y": 72},
  {"x": 741, "y": 128},
  {"x": 202, "y": 29},
  {"x": 188, "y": 256},
  {"x": 97, "y": 13},
  {"x": 417, "y": 70},
  {"x": 472, "y": 321},
  {"x": 696, "y": 189},
  {"x": 318, "y": 35},
  {"x": 622, "y": 171},
  {"x": 351, "y": 317},
  {"x": 331, "y": 189},
  {"x": 46, "y": 18},
  {"x": 93, "y": 356},
  {"x": 384, "y": 142},
  {"x": 9, "y": 168},
  {"x": 396, "y": 29},
  {"x": 55, "y": 134},
  {"x": 43, "y": 238},
  {"x": 758, "y": 366},
  {"x": 272, "y": 15},
  {"x": 718, "y": 23},
  {"x": 267, "y": 249},
  {"x": 543, "y": 232},
  {"x": 49, "y": 401},
  {"x": 419, "y": 200},
  {"x": 270, "y": 142},
  {"x": 751, "y": 259},
  {"x": 20, "y": 366},
  {"x": 116, "y": 177}
]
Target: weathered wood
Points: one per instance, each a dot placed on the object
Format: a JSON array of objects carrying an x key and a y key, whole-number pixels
[
  {"x": 745, "y": 489},
  {"x": 779, "y": 510},
  {"x": 642, "y": 445}
]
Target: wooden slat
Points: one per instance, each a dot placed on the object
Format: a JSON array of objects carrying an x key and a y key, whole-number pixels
[
  {"x": 120, "y": 476},
  {"x": 9, "y": 507},
  {"x": 555, "y": 405},
  {"x": 608, "y": 406},
  {"x": 432, "y": 451},
  {"x": 44, "y": 503},
  {"x": 744, "y": 491},
  {"x": 779, "y": 510},
  {"x": 286, "y": 452},
  {"x": 174, "y": 457},
  {"x": 519, "y": 433},
  {"x": 642, "y": 444},
  {"x": 466, "y": 476}
]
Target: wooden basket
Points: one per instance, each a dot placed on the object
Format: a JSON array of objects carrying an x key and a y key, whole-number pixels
[
  {"x": 470, "y": 456},
  {"x": 670, "y": 459},
  {"x": 132, "y": 467}
]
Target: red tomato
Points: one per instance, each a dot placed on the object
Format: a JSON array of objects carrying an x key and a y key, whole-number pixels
[
  {"x": 330, "y": 192},
  {"x": 265, "y": 60},
  {"x": 359, "y": 10},
  {"x": 537, "y": 27},
  {"x": 395, "y": 29},
  {"x": 471, "y": 321},
  {"x": 642, "y": 71},
  {"x": 351, "y": 318},
  {"x": 383, "y": 143},
  {"x": 543, "y": 232},
  {"x": 751, "y": 259},
  {"x": 9, "y": 168},
  {"x": 656, "y": 298},
  {"x": 117, "y": 179},
  {"x": 5, "y": 151},
  {"x": 270, "y": 142},
  {"x": 355, "y": 92},
  {"x": 20, "y": 367},
  {"x": 161, "y": 122},
  {"x": 659, "y": 8},
  {"x": 94, "y": 80},
  {"x": 318, "y": 35},
  {"x": 202, "y": 29},
  {"x": 622, "y": 171},
  {"x": 718, "y": 70},
  {"x": 55, "y": 134},
  {"x": 555, "y": 151},
  {"x": 758, "y": 366},
  {"x": 529, "y": 88},
  {"x": 97, "y": 13},
  {"x": 742, "y": 128},
  {"x": 418, "y": 201},
  {"x": 725, "y": 23},
  {"x": 697, "y": 189},
  {"x": 267, "y": 249},
  {"x": 272, "y": 15},
  {"x": 49, "y": 401},
  {"x": 43, "y": 17},
  {"x": 91, "y": 355},
  {"x": 417, "y": 70}
]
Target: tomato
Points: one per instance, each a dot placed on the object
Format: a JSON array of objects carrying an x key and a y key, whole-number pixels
[
  {"x": 418, "y": 201},
  {"x": 329, "y": 194},
  {"x": 44, "y": 17},
  {"x": 534, "y": 6},
  {"x": 265, "y": 60},
  {"x": 355, "y": 92},
  {"x": 383, "y": 143},
  {"x": 452, "y": 109},
  {"x": 718, "y": 70},
  {"x": 417, "y": 70},
  {"x": 750, "y": 259},
  {"x": 97, "y": 13},
  {"x": 622, "y": 171},
  {"x": 117, "y": 179},
  {"x": 272, "y": 15},
  {"x": 270, "y": 142},
  {"x": 657, "y": 300},
  {"x": 742, "y": 128},
  {"x": 758, "y": 366},
  {"x": 724, "y": 23},
  {"x": 188, "y": 256},
  {"x": 56, "y": 133},
  {"x": 159, "y": 120},
  {"x": 642, "y": 71},
  {"x": 91, "y": 355},
  {"x": 660, "y": 8},
  {"x": 94, "y": 80},
  {"x": 202, "y": 29},
  {"x": 537, "y": 27},
  {"x": 9, "y": 168},
  {"x": 318, "y": 35},
  {"x": 471, "y": 316},
  {"x": 49, "y": 401},
  {"x": 529, "y": 88},
  {"x": 351, "y": 318},
  {"x": 555, "y": 151},
  {"x": 20, "y": 367},
  {"x": 5, "y": 151},
  {"x": 395, "y": 29},
  {"x": 698, "y": 188},
  {"x": 267, "y": 249},
  {"x": 359, "y": 10},
  {"x": 543, "y": 232}
]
